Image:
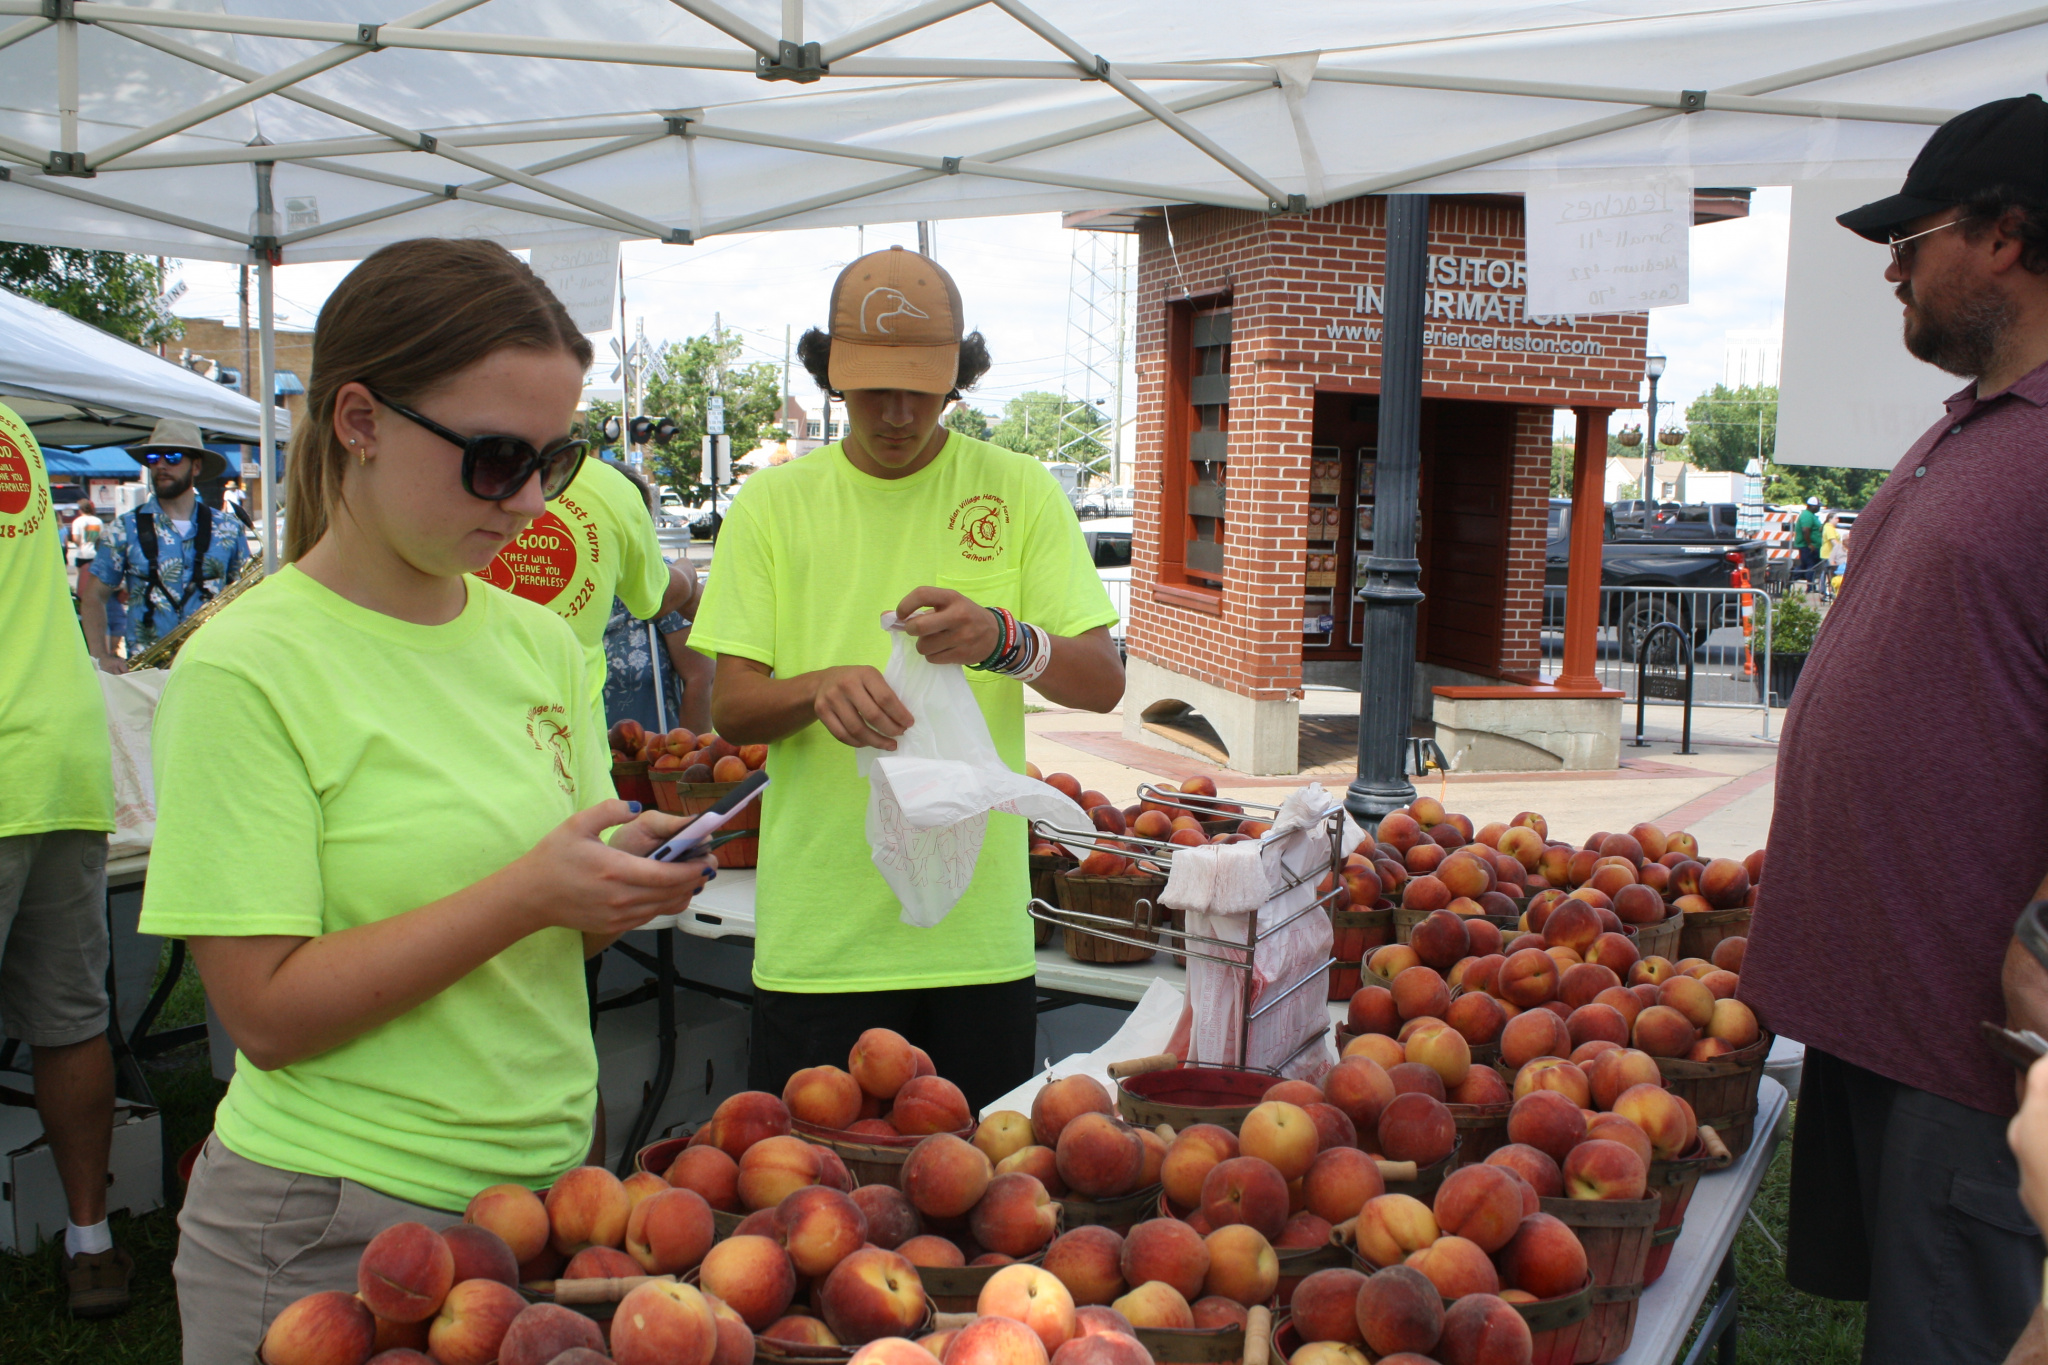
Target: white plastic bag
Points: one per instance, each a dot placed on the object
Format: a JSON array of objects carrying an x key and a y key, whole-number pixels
[
  {"x": 131, "y": 710},
  {"x": 928, "y": 801}
]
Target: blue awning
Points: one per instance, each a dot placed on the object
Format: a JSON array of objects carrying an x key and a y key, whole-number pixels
[
  {"x": 104, "y": 462},
  {"x": 285, "y": 384}
]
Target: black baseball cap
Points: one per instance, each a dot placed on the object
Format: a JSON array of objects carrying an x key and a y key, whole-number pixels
[{"x": 2004, "y": 142}]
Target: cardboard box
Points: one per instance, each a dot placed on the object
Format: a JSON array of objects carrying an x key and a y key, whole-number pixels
[
  {"x": 32, "y": 1206},
  {"x": 712, "y": 1038}
]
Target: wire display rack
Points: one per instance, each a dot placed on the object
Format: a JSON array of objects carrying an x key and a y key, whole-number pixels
[{"x": 1238, "y": 957}]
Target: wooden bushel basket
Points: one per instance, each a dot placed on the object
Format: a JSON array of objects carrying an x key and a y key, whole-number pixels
[
  {"x": 1183, "y": 1095},
  {"x": 1430, "y": 1178},
  {"x": 1212, "y": 1345},
  {"x": 1045, "y": 887},
  {"x": 1368, "y": 929},
  {"x": 1119, "y": 1213},
  {"x": 870, "y": 1159},
  {"x": 1616, "y": 1234},
  {"x": 1704, "y": 930},
  {"x": 630, "y": 781},
  {"x": 1673, "y": 1182},
  {"x": 1405, "y": 921},
  {"x": 957, "y": 1288},
  {"x": 1722, "y": 1092},
  {"x": 1661, "y": 939},
  {"x": 694, "y": 798},
  {"x": 655, "y": 1159},
  {"x": 769, "y": 1352},
  {"x": 1482, "y": 1130},
  {"x": 1112, "y": 898}
]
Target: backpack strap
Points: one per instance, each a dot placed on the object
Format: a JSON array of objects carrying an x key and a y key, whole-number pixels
[{"x": 202, "y": 541}]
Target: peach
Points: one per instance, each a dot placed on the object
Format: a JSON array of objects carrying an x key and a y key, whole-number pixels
[
  {"x": 1065, "y": 784},
  {"x": 1377, "y": 1048},
  {"x": 928, "y": 1250},
  {"x": 661, "y": 1322},
  {"x": 1200, "y": 1146},
  {"x": 892, "y": 1351},
  {"x": 1624, "y": 1002},
  {"x": 1600, "y": 1168},
  {"x": 707, "y": 1170},
  {"x": 473, "y": 1321},
  {"x": 1401, "y": 830},
  {"x": 1722, "y": 984},
  {"x": 1032, "y": 1297},
  {"x": 1456, "y": 1267},
  {"x": 588, "y": 1206},
  {"x": 1724, "y": 884},
  {"x": 327, "y": 1328},
  {"x": 1639, "y": 905},
  {"x": 670, "y": 1232},
  {"x": 1692, "y": 905},
  {"x": 601, "y": 1263},
  {"x": 1399, "y": 1309},
  {"x": 822, "y": 1095},
  {"x": 1440, "y": 939},
  {"x": 1301, "y": 1094},
  {"x": 1283, "y": 1135},
  {"x": 1372, "y": 1010},
  {"x": 1547, "y": 1120},
  {"x": 543, "y": 1331},
  {"x": 1246, "y": 1189},
  {"x": 1597, "y": 1022},
  {"x": 1391, "y": 959},
  {"x": 1152, "y": 824},
  {"x": 1015, "y": 1216},
  {"x": 1532, "y": 1034},
  {"x": 1242, "y": 1265},
  {"x": 800, "y": 1329},
  {"x": 772, "y": 1170},
  {"x": 1690, "y": 997},
  {"x": 996, "y": 1341},
  {"x": 751, "y": 1274},
  {"x": 1728, "y": 953},
  {"x": 1392, "y": 1225},
  {"x": 1040, "y": 1163},
  {"x": 1444, "y": 1051},
  {"x": 1340, "y": 1353},
  {"x": 1100, "y": 1157},
  {"x": 1610, "y": 1076},
  {"x": 480, "y": 1254},
  {"x": 1217, "y": 1311},
  {"x": 821, "y": 1228},
  {"x": 1612, "y": 952},
  {"x": 1413, "y": 1078},
  {"x": 1481, "y": 1204},
  {"x": 944, "y": 1176},
  {"x": 892, "y": 1219},
  {"x": 1424, "y": 890},
  {"x": 1663, "y": 1031},
  {"x": 1324, "y": 1306},
  {"x": 746, "y": 1118},
  {"x": 1334, "y": 1128},
  {"x": 1089, "y": 1262},
  {"x": 1156, "y": 1305},
  {"x": 1482, "y": 1085},
  {"x": 1666, "y": 1119},
  {"x": 1615, "y": 1128},
  {"x": 992, "y": 1258},
  {"x": 1536, "y": 1167},
  {"x": 1095, "y": 1319},
  {"x": 873, "y": 1293},
  {"x": 1734, "y": 1023},
  {"x": 1545, "y": 1258},
  {"x": 405, "y": 1272},
  {"x": 1358, "y": 1086},
  {"x": 1419, "y": 992},
  {"x": 929, "y": 1104},
  {"x": 761, "y": 1223},
  {"x": 1484, "y": 1329},
  {"x": 641, "y": 1186},
  {"x": 1417, "y": 1128},
  {"x": 1476, "y": 1015},
  {"x": 882, "y": 1062},
  {"x": 1340, "y": 1182},
  {"x": 1554, "y": 1073},
  {"x": 1708, "y": 1049},
  {"x": 1109, "y": 1348},
  {"x": 1060, "y": 1102},
  {"x": 516, "y": 1214},
  {"x": 1528, "y": 978}
]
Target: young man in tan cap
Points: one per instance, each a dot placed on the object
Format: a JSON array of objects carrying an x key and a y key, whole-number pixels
[{"x": 902, "y": 515}]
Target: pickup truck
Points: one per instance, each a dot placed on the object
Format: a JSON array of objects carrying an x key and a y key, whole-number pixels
[
  {"x": 1694, "y": 522},
  {"x": 1650, "y": 562}
]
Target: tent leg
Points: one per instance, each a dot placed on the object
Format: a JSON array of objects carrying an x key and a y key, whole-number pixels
[{"x": 266, "y": 390}]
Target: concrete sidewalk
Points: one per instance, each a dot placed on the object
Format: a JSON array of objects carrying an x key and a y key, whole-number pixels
[{"x": 1722, "y": 793}]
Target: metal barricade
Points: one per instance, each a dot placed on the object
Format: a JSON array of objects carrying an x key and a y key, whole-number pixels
[
  {"x": 1730, "y": 631},
  {"x": 1119, "y": 590}
]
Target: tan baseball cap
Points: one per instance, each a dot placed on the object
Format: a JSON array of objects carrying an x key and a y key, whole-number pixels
[{"x": 895, "y": 324}]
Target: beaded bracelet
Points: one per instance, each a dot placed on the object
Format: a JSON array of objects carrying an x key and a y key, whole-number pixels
[
  {"x": 1037, "y": 665},
  {"x": 1022, "y": 650}
]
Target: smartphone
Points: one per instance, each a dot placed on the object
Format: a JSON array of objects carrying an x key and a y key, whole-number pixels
[
  {"x": 690, "y": 840},
  {"x": 2021, "y": 1047}
]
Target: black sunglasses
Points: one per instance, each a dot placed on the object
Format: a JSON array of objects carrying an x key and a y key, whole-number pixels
[{"x": 496, "y": 467}]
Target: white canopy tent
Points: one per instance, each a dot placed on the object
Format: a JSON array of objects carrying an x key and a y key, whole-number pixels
[
  {"x": 77, "y": 385},
  {"x": 312, "y": 130}
]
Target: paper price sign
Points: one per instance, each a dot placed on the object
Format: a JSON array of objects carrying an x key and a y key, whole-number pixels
[{"x": 1609, "y": 247}]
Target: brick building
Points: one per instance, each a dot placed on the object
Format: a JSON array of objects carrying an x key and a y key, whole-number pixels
[{"x": 1258, "y": 380}]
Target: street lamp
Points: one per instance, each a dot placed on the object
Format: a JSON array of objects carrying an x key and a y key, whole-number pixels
[{"x": 1653, "y": 365}]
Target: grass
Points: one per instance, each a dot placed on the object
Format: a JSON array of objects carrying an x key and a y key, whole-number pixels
[{"x": 1779, "y": 1325}]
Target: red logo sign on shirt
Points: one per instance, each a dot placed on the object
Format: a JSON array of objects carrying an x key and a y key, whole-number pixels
[
  {"x": 980, "y": 523},
  {"x": 539, "y": 564},
  {"x": 15, "y": 484}
]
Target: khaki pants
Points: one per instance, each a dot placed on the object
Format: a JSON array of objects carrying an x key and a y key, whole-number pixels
[{"x": 253, "y": 1239}]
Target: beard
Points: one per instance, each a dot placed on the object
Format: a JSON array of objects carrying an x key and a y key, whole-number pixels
[
  {"x": 1962, "y": 334},
  {"x": 174, "y": 485}
]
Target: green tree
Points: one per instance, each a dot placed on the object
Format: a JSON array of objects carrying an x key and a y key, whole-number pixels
[
  {"x": 1031, "y": 424},
  {"x": 1561, "y": 453},
  {"x": 1727, "y": 428},
  {"x": 968, "y": 421},
  {"x": 113, "y": 291},
  {"x": 1835, "y": 487},
  {"x": 592, "y": 429},
  {"x": 679, "y": 385}
]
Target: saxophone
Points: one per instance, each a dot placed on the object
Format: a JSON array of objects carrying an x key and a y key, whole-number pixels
[{"x": 165, "y": 649}]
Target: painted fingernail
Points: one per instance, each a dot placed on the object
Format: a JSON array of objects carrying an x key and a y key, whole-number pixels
[
  {"x": 711, "y": 874},
  {"x": 633, "y": 806}
]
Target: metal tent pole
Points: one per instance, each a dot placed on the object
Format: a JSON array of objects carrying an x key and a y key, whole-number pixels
[
  {"x": 266, "y": 362},
  {"x": 1390, "y": 574}
]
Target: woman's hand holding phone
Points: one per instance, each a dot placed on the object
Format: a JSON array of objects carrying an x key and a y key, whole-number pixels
[{"x": 573, "y": 879}]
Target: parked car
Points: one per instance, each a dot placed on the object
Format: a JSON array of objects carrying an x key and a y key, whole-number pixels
[
  {"x": 1109, "y": 543},
  {"x": 707, "y": 516},
  {"x": 1698, "y": 521},
  {"x": 1651, "y": 562}
]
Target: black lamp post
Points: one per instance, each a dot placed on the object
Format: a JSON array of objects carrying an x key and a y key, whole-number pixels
[
  {"x": 1653, "y": 365},
  {"x": 1387, "y": 580}
]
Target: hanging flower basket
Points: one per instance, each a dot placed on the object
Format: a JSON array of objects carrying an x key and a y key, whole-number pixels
[
  {"x": 1672, "y": 436},
  {"x": 1630, "y": 436}
]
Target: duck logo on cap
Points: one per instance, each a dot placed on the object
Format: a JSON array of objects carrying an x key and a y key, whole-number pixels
[{"x": 893, "y": 305}]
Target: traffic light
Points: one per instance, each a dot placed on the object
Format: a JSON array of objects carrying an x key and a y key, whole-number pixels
[
  {"x": 613, "y": 429},
  {"x": 665, "y": 430},
  {"x": 640, "y": 430}
]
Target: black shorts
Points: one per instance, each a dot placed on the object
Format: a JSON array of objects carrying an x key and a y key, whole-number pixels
[
  {"x": 1910, "y": 1202},
  {"x": 979, "y": 1037}
]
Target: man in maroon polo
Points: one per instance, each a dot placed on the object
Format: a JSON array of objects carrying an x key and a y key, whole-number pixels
[{"x": 1911, "y": 822}]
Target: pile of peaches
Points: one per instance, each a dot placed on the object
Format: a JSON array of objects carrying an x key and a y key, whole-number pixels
[
  {"x": 697, "y": 758},
  {"x": 1148, "y": 819},
  {"x": 1424, "y": 858}
]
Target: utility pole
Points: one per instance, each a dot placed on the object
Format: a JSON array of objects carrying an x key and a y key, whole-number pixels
[
  {"x": 248, "y": 374},
  {"x": 924, "y": 238},
  {"x": 784, "y": 415},
  {"x": 1116, "y": 427}
]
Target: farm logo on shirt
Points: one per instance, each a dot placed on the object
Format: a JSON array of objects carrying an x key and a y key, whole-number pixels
[
  {"x": 15, "y": 481},
  {"x": 546, "y": 727},
  {"x": 558, "y": 552},
  {"x": 982, "y": 522}
]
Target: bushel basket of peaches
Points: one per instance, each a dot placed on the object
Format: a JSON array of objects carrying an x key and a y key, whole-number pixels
[{"x": 691, "y": 773}]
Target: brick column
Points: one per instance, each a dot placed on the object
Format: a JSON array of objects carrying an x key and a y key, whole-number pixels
[{"x": 1589, "y": 533}]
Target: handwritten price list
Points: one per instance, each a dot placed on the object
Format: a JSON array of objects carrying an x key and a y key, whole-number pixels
[{"x": 1609, "y": 247}]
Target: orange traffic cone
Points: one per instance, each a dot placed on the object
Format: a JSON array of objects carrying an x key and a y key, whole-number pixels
[{"x": 1740, "y": 580}]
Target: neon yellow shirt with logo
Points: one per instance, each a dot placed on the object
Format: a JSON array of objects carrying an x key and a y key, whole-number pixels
[
  {"x": 810, "y": 556},
  {"x": 593, "y": 543},
  {"x": 58, "y": 773},
  {"x": 378, "y": 766}
]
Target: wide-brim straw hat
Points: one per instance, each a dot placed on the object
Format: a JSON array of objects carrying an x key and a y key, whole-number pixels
[{"x": 172, "y": 434}]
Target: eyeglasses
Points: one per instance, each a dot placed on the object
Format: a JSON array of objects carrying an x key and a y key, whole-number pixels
[
  {"x": 1902, "y": 259},
  {"x": 156, "y": 457},
  {"x": 496, "y": 467}
]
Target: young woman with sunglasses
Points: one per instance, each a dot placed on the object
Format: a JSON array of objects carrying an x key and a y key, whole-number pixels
[{"x": 385, "y": 814}]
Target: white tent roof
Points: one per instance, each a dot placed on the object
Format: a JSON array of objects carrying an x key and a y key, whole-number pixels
[
  {"x": 536, "y": 120},
  {"x": 77, "y": 385}
]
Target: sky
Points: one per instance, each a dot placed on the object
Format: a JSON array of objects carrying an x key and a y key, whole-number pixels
[{"x": 1014, "y": 274}]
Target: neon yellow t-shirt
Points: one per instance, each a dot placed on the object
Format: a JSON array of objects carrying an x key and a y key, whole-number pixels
[
  {"x": 59, "y": 772},
  {"x": 593, "y": 543},
  {"x": 810, "y": 556},
  {"x": 377, "y": 765}
]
